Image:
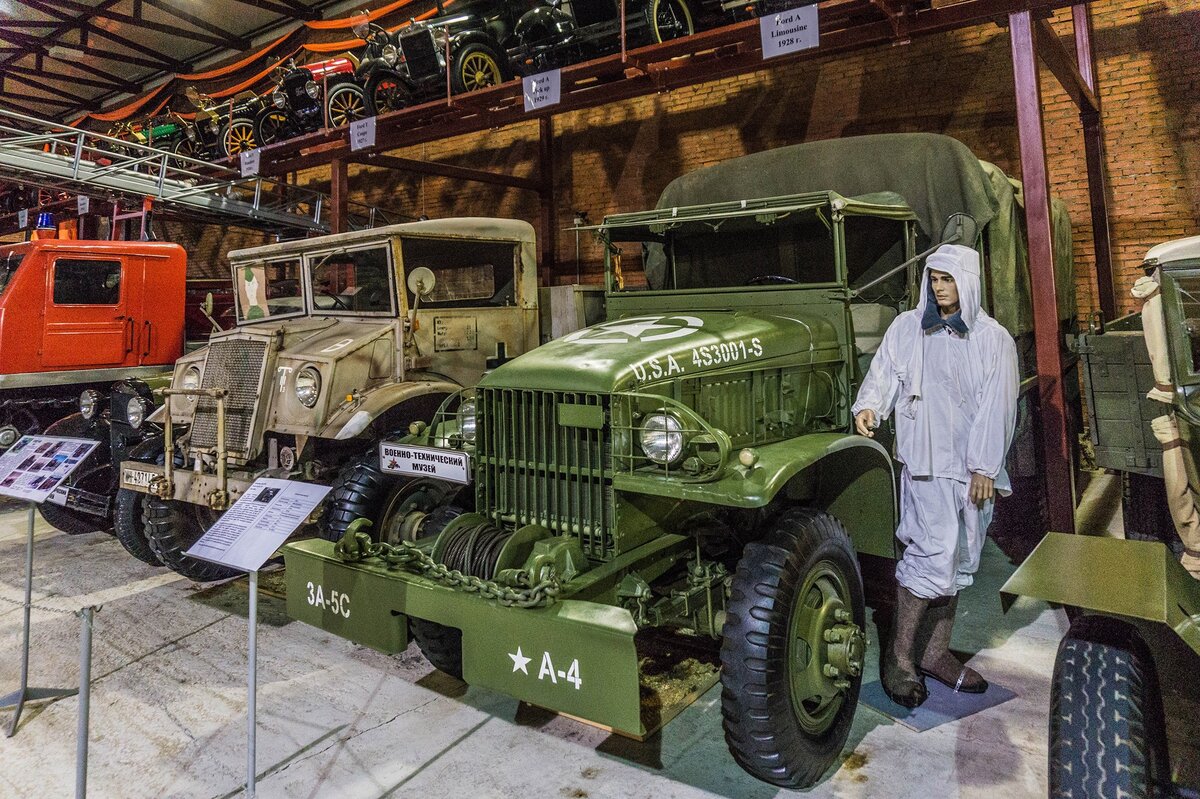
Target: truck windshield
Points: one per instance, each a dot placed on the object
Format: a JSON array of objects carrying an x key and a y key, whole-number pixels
[
  {"x": 352, "y": 281},
  {"x": 9, "y": 261},
  {"x": 738, "y": 252},
  {"x": 267, "y": 289},
  {"x": 747, "y": 252}
]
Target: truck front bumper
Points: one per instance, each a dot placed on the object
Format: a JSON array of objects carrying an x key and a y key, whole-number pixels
[
  {"x": 573, "y": 657},
  {"x": 196, "y": 488}
]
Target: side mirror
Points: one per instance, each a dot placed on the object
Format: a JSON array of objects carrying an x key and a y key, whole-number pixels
[
  {"x": 961, "y": 229},
  {"x": 421, "y": 281},
  {"x": 208, "y": 304},
  {"x": 207, "y": 309}
]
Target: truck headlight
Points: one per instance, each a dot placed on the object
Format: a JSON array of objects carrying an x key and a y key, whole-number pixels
[
  {"x": 308, "y": 386},
  {"x": 312, "y": 89},
  {"x": 662, "y": 438},
  {"x": 89, "y": 403},
  {"x": 190, "y": 381},
  {"x": 135, "y": 412},
  {"x": 278, "y": 99},
  {"x": 466, "y": 420},
  {"x": 390, "y": 54}
]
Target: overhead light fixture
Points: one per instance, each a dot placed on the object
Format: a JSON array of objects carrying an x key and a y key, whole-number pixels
[{"x": 65, "y": 51}]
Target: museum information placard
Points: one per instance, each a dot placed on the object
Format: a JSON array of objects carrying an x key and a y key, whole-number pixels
[
  {"x": 36, "y": 465},
  {"x": 542, "y": 90},
  {"x": 257, "y": 524},
  {"x": 789, "y": 31}
]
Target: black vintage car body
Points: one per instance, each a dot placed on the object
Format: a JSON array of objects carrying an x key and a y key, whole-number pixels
[
  {"x": 305, "y": 96},
  {"x": 489, "y": 42},
  {"x": 221, "y": 129}
]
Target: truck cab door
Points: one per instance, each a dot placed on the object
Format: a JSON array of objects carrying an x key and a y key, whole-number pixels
[{"x": 87, "y": 320}]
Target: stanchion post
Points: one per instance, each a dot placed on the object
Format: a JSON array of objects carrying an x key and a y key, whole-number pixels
[
  {"x": 252, "y": 683},
  {"x": 86, "y": 615},
  {"x": 24, "y": 693}
]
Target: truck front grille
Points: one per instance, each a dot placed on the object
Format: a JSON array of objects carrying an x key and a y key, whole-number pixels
[
  {"x": 236, "y": 365},
  {"x": 532, "y": 470},
  {"x": 420, "y": 54}
]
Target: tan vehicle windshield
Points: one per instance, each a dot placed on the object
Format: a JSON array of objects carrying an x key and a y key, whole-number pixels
[{"x": 267, "y": 289}]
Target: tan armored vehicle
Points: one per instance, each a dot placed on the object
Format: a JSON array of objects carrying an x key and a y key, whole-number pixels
[{"x": 340, "y": 341}]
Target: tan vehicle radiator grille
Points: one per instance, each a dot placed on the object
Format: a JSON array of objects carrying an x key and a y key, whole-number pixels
[{"x": 236, "y": 365}]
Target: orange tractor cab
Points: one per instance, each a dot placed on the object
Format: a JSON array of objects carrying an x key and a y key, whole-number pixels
[{"x": 78, "y": 316}]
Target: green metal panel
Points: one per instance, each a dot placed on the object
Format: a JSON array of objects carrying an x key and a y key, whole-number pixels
[
  {"x": 590, "y": 416},
  {"x": 574, "y": 657},
  {"x": 1134, "y": 579},
  {"x": 1116, "y": 376}
]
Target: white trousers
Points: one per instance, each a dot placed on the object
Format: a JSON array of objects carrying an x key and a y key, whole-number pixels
[{"x": 943, "y": 534}]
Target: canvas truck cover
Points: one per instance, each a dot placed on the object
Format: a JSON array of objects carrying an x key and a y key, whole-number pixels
[{"x": 937, "y": 176}]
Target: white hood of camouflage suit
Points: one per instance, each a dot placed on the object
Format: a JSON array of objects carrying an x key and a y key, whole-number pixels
[{"x": 987, "y": 373}]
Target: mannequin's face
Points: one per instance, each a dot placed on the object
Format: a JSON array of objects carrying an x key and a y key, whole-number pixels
[{"x": 945, "y": 291}]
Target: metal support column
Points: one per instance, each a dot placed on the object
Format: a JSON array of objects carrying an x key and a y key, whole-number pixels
[
  {"x": 86, "y": 616},
  {"x": 548, "y": 233},
  {"x": 339, "y": 195},
  {"x": 1056, "y": 448},
  {"x": 1093, "y": 146}
]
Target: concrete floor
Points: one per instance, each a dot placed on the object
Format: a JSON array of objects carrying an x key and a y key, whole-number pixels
[{"x": 339, "y": 720}]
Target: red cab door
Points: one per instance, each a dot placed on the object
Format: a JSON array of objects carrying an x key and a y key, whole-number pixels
[{"x": 91, "y": 305}]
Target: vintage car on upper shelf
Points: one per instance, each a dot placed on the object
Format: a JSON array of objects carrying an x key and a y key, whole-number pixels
[
  {"x": 379, "y": 71},
  {"x": 102, "y": 312},
  {"x": 1125, "y": 698},
  {"x": 221, "y": 130},
  {"x": 684, "y": 477},
  {"x": 487, "y": 42},
  {"x": 340, "y": 340},
  {"x": 308, "y": 97}
]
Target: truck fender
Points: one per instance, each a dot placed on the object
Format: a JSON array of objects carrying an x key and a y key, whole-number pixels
[
  {"x": 848, "y": 476},
  {"x": 1139, "y": 580},
  {"x": 381, "y": 408}
]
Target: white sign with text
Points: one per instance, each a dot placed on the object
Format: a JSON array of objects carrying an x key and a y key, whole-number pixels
[
  {"x": 83, "y": 204},
  {"x": 23, "y": 218},
  {"x": 542, "y": 90},
  {"x": 443, "y": 464},
  {"x": 789, "y": 31},
  {"x": 250, "y": 161},
  {"x": 362, "y": 133},
  {"x": 248, "y": 534},
  {"x": 37, "y": 465}
]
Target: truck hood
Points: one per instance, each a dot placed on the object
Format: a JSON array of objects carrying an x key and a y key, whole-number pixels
[
  {"x": 320, "y": 340},
  {"x": 636, "y": 351}
]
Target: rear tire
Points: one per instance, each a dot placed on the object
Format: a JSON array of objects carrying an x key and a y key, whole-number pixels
[
  {"x": 1106, "y": 733},
  {"x": 358, "y": 492},
  {"x": 785, "y": 719},
  {"x": 171, "y": 528}
]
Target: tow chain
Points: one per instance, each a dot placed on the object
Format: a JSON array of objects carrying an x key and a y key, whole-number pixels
[{"x": 356, "y": 546}]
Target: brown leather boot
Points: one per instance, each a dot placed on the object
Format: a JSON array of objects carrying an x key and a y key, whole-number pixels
[
  {"x": 900, "y": 679},
  {"x": 938, "y": 661}
]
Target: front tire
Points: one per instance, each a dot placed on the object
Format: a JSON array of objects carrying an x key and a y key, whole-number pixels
[
  {"x": 670, "y": 19},
  {"x": 792, "y": 650},
  {"x": 387, "y": 91},
  {"x": 1106, "y": 733},
  {"x": 238, "y": 137},
  {"x": 346, "y": 103},
  {"x": 476, "y": 66},
  {"x": 171, "y": 528}
]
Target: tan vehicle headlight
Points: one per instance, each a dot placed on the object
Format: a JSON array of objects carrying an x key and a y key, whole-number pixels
[
  {"x": 466, "y": 420},
  {"x": 662, "y": 438},
  {"x": 308, "y": 386},
  {"x": 89, "y": 403},
  {"x": 190, "y": 381}
]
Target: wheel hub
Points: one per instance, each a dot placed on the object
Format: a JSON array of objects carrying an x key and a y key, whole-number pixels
[{"x": 845, "y": 650}]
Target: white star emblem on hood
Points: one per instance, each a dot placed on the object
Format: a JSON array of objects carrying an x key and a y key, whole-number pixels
[{"x": 638, "y": 328}]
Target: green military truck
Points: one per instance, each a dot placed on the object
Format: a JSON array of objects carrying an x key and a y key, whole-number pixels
[
  {"x": 684, "y": 471},
  {"x": 340, "y": 340},
  {"x": 1125, "y": 695}
]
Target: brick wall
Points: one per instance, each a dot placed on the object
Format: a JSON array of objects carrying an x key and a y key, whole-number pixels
[{"x": 619, "y": 157}]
